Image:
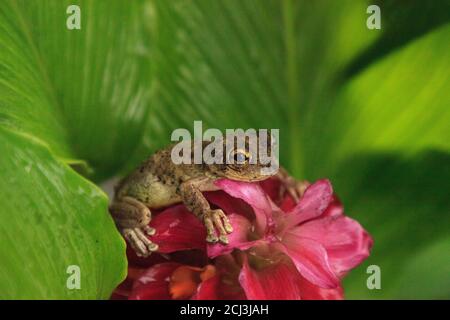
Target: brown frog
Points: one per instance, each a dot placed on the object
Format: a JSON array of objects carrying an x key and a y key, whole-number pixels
[{"x": 158, "y": 183}]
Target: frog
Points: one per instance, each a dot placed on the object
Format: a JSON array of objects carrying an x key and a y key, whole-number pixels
[{"x": 159, "y": 182}]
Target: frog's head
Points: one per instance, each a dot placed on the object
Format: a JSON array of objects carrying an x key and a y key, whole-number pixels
[
  {"x": 241, "y": 168},
  {"x": 245, "y": 164}
]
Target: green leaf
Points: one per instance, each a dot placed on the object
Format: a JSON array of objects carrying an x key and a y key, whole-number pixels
[
  {"x": 398, "y": 104},
  {"x": 401, "y": 23},
  {"x": 403, "y": 202},
  {"x": 427, "y": 274},
  {"x": 26, "y": 99},
  {"x": 83, "y": 92},
  {"x": 51, "y": 218},
  {"x": 82, "y": 96}
]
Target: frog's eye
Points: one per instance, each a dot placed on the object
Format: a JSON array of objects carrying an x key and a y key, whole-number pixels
[{"x": 240, "y": 156}]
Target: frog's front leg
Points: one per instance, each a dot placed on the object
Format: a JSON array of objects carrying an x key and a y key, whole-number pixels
[
  {"x": 193, "y": 199},
  {"x": 132, "y": 218}
]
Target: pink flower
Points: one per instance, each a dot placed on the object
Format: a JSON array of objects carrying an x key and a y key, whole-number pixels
[
  {"x": 278, "y": 249},
  {"x": 306, "y": 248},
  {"x": 173, "y": 280}
]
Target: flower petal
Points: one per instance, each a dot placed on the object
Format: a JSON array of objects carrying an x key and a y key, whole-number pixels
[
  {"x": 153, "y": 284},
  {"x": 309, "y": 291},
  {"x": 124, "y": 289},
  {"x": 346, "y": 242},
  {"x": 271, "y": 187},
  {"x": 335, "y": 208},
  {"x": 276, "y": 282},
  {"x": 178, "y": 229},
  {"x": 238, "y": 239},
  {"x": 208, "y": 290},
  {"x": 310, "y": 258},
  {"x": 254, "y": 195},
  {"x": 229, "y": 267},
  {"x": 229, "y": 204},
  {"x": 312, "y": 204}
]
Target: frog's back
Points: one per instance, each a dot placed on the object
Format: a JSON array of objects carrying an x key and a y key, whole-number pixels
[{"x": 149, "y": 182}]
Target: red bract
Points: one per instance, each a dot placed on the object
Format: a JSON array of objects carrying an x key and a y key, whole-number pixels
[{"x": 278, "y": 249}]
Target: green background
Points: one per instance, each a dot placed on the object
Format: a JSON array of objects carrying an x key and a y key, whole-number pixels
[{"x": 368, "y": 109}]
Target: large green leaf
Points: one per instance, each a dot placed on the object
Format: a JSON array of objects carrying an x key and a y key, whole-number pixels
[
  {"x": 417, "y": 282},
  {"x": 404, "y": 203},
  {"x": 84, "y": 92},
  {"x": 402, "y": 22},
  {"x": 51, "y": 218},
  {"x": 399, "y": 103},
  {"x": 25, "y": 91},
  {"x": 79, "y": 94}
]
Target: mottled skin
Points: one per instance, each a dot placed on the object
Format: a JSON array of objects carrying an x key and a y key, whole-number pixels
[{"x": 158, "y": 183}]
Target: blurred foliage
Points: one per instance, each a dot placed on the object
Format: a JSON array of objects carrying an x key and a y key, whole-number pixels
[
  {"x": 367, "y": 108},
  {"x": 405, "y": 205}
]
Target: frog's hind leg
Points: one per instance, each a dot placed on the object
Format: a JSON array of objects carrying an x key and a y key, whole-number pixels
[{"x": 132, "y": 218}]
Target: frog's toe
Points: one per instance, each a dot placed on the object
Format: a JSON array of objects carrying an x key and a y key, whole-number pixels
[
  {"x": 153, "y": 247},
  {"x": 226, "y": 223},
  {"x": 136, "y": 243},
  {"x": 149, "y": 245},
  {"x": 220, "y": 222},
  {"x": 217, "y": 220},
  {"x": 212, "y": 238},
  {"x": 223, "y": 239},
  {"x": 210, "y": 231},
  {"x": 149, "y": 230}
]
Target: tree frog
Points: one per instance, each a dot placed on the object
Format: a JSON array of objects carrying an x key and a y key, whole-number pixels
[{"x": 158, "y": 183}]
